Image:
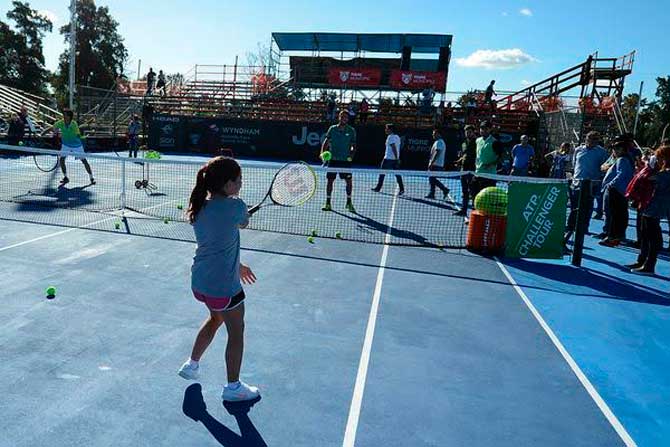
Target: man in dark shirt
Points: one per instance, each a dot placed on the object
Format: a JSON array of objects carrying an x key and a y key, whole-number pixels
[
  {"x": 488, "y": 95},
  {"x": 151, "y": 79},
  {"x": 468, "y": 157},
  {"x": 16, "y": 130}
]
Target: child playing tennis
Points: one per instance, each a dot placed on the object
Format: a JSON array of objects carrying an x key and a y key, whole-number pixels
[
  {"x": 70, "y": 136},
  {"x": 217, "y": 214}
]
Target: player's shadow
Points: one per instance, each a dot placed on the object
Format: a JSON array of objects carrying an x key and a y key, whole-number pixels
[
  {"x": 50, "y": 199},
  {"x": 382, "y": 228},
  {"x": 195, "y": 408},
  {"x": 446, "y": 205}
]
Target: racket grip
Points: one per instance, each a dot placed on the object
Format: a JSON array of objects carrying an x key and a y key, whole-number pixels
[{"x": 253, "y": 209}]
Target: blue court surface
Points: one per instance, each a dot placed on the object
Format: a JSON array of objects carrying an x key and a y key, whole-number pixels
[{"x": 350, "y": 344}]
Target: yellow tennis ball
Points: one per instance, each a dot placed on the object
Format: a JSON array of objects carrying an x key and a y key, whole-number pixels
[
  {"x": 338, "y": 235},
  {"x": 310, "y": 240}
]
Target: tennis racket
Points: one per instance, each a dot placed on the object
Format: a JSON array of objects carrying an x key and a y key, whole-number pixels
[
  {"x": 46, "y": 162},
  {"x": 293, "y": 185}
]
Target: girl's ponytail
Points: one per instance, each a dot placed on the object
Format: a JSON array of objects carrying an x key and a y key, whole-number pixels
[{"x": 198, "y": 195}]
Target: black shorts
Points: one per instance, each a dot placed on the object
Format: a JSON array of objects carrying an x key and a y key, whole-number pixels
[
  {"x": 338, "y": 164},
  {"x": 220, "y": 304}
]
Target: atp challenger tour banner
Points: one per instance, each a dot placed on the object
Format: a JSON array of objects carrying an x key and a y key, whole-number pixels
[{"x": 536, "y": 220}]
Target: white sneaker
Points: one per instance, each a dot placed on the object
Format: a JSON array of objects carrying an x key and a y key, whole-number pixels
[
  {"x": 243, "y": 392},
  {"x": 188, "y": 372}
]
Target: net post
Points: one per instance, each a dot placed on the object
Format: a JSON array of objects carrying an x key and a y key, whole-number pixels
[{"x": 583, "y": 218}]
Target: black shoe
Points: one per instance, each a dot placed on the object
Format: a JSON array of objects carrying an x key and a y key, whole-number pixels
[
  {"x": 633, "y": 266},
  {"x": 460, "y": 213},
  {"x": 643, "y": 271},
  {"x": 376, "y": 189},
  {"x": 430, "y": 196},
  {"x": 600, "y": 235},
  {"x": 598, "y": 216},
  {"x": 401, "y": 192}
]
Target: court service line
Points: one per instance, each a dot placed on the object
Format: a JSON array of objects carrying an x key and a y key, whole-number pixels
[
  {"x": 586, "y": 383},
  {"x": 361, "y": 376}
]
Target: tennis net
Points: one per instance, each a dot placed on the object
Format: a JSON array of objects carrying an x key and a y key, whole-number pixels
[{"x": 159, "y": 189}]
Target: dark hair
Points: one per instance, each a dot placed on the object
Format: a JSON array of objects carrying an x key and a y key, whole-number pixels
[
  {"x": 469, "y": 127},
  {"x": 391, "y": 127},
  {"x": 211, "y": 179},
  {"x": 438, "y": 130},
  {"x": 69, "y": 113},
  {"x": 663, "y": 155}
]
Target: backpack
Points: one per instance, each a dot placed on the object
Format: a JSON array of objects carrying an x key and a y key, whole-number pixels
[{"x": 641, "y": 189}]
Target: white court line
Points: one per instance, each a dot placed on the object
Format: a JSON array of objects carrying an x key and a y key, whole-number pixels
[
  {"x": 600, "y": 402},
  {"x": 359, "y": 387}
]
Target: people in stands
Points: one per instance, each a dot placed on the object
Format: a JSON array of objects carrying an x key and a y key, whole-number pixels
[
  {"x": 16, "y": 130},
  {"x": 160, "y": 85},
  {"x": 331, "y": 106},
  {"x": 134, "y": 129},
  {"x": 614, "y": 187},
  {"x": 438, "y": 153},
  {"x": 489, "y": 151},
  {"x": 391, "y": 158},
  {"x": 586, "y": 160},
  {"x": 439, "y": 114},
  {"x": 351, "y": 110},
  {"x": 658, "y": 207},
  {"x": 364, "y": 110},
  {"x": 467, "y": 160},
  {"x": 27, "y": 121},
  {"x": 340, "y": 141},
  {"x": 522, "y": 155},
  {"x": 489, "y": 94},
  {"x": 559, "y": 161},
  {"x": 151, "y": 81}
]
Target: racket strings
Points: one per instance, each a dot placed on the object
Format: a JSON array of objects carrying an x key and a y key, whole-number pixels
[{"x": 294, "y": 185}]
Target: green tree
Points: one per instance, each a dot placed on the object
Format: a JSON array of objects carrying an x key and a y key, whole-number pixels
[
  {"x": 22, "y": 61},
  {"x": 657, "y": 114},
  {"x": 100, "y": 51}
]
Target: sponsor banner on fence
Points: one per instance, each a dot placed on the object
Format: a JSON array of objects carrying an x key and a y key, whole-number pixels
[
  {"x": 536, "y": 220},
  {"x": 354, "y": 77},
  {"x": 416, "y": 80}
]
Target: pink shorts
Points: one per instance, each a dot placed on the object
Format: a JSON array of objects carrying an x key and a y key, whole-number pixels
[{"x": 220, "y": 304}]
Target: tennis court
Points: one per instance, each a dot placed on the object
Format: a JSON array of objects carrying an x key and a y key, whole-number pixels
[{"x": 350, "y": 343}]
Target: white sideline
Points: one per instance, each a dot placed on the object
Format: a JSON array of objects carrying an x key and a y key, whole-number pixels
[{"x": 586, "y": 383}]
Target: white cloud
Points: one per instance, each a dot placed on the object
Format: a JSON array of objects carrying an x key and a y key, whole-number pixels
[
  {"x": 505, "y": 14},
  {"x": 49, "y": 15},
  {"x": 496, "y": 59},
  {"x": 525, "y": 82},
  {"x": 526, "y": 12}
]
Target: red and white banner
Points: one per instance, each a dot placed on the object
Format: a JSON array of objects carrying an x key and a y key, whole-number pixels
[
  {"x": 354, "y": 77},
  {"x": 415, "y": 80}
]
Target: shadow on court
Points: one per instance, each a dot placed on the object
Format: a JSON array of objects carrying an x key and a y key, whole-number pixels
[
  {"x": 195, "y": 408},
  {"x": 608, "y": 286}
]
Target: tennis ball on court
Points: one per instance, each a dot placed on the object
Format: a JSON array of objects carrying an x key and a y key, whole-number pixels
[
  {"x": 166, "y": 220},
  {"x": 310, "y": 240},
  {"x": 117, "y": 225},
  {"x": 51, "y": 291},
  {"x": 338, "y": 235},
  {"x": 314, "y": 234},
  {"x": 180, "y": 207},
  {"x": 349, "y": 158},
  {"x": 492, "y": 201},
  {"x": 20, "y": 143}
]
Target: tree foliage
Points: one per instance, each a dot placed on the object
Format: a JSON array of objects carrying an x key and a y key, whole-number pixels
[
  {"x": 22, "y": 58},
  {"x": 100, "y": 50}
]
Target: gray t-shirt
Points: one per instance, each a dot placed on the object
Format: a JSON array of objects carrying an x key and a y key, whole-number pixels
[{"x": 216, "y": 264}]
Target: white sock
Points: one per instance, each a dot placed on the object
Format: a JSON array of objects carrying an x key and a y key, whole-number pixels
[
  {"x": 233, "y": 385},
  {"x": 193, "y": 364}
]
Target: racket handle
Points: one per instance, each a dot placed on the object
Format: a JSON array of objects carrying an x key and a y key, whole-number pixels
[{"x": 253, "y": 209}]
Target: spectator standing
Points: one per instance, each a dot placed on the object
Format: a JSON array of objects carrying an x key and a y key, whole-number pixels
[
  {"x": 351, "y": 110},
  {"x": 488, "y": 155},
  {"x": 559, "y": 161},
  {"x": 522, "y": 154},
  {"x": 151, "y": 80},
  {"x": 489, "y": 94},
  {"x": 134, "y": 129},
  {"x": 16, "y": 130},
  {"x": 160, "y": 85},
  {"x": 651, "y": 240},
  {"x": 614, "y": 187},
  {"x": 364, "y": 110},
  {"x": 587, "y": 161},
  {"x": 467, "y": 160}
]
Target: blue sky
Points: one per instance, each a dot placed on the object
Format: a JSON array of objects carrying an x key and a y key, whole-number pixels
[{"x": 546, "y": 36}]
